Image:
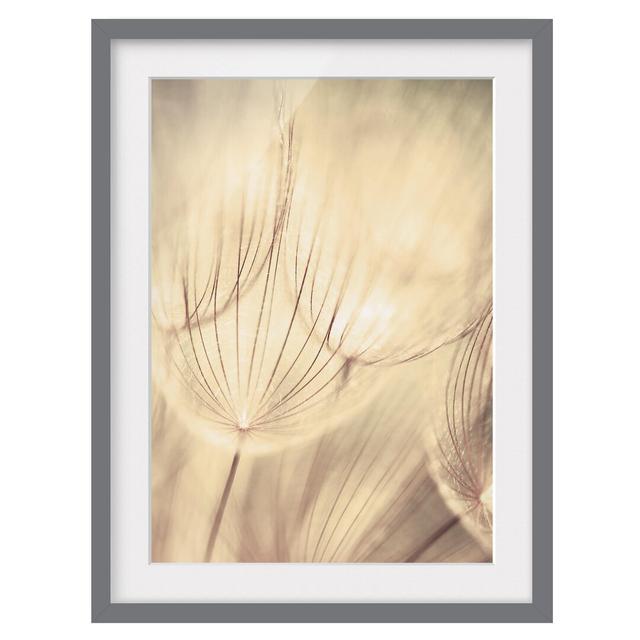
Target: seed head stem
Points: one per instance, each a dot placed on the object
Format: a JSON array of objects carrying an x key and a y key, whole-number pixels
[{"x": 217, "y": 521}]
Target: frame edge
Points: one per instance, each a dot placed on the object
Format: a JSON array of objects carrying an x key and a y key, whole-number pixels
[
  {"x": 540, "y": 32},
  {"x": 387, "y": 29},
  {"x": 542, "y": 326},
  {"x": 100, "y": 320}
]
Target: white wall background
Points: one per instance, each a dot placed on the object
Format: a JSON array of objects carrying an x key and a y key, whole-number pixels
[{"x": 45, "y": 330}]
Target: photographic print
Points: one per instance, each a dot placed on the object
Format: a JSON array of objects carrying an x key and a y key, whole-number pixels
[{"x": 321, "y": 320}]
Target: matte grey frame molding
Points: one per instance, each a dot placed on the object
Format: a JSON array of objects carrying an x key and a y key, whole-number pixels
[{"x": 540, "y": 34}]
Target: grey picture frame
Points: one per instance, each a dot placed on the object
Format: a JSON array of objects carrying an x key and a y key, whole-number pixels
[{"x": 540, "y": 34}]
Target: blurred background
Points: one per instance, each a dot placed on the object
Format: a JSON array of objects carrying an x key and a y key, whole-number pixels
[{"x": 321, "y": 306}]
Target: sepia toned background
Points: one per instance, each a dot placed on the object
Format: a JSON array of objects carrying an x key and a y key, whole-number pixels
[{"x": 322, "y": 321}]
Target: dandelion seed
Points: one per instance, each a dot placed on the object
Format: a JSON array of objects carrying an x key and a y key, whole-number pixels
[
  {"x": 361, "y": 494},
  {"x": 402, "y": 212},
  {"x": 462, "y": 453},
  {"x": 293, "y": 249}
]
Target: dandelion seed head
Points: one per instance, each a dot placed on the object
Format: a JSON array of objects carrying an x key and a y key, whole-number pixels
[
  {"x": 461, "y": 444},
  {"x": 406, "y": 238}
]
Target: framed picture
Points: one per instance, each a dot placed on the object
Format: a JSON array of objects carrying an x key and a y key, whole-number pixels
[{"x": 322, "y": 329}]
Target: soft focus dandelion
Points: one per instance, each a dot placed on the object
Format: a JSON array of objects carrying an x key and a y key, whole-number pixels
[
  {"x": 241, "y": 362},
  {"x": 361, "y": 494},
  {"x": 244, "y": 363},
  {"x": 304, "y": 231},
  {"x": 221, "y": 194},
  {"x": 398, "y": 194},
  {"x": 463, "y": 449}
]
